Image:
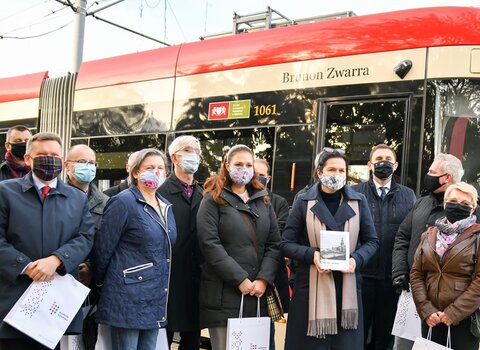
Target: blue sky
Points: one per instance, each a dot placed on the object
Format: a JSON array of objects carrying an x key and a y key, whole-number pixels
[{"x": 172, "y": 21}]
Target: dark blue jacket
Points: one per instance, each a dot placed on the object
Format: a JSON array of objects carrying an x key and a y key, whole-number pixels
[
  {"x": 131, "y": 260},
  {"x": 387, "y": 215},
  {"x": 31, "y": 229}
]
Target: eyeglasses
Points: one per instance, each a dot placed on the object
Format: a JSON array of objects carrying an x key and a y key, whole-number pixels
[
  {"x": 463, "y": 204},
  {"x": 83, "y": 161},
  {"x": 333, "y": 150}
]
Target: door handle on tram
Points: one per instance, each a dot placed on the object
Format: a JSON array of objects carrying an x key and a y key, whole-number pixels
[{"x": 292, "y": 178}]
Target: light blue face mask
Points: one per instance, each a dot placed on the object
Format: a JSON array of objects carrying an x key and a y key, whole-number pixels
[
  {"x": 85, "y": 172},
  {"x": 190, "y": 162}
]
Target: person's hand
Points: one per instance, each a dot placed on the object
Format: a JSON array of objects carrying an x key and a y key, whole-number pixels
[
  {"x": 85, "y": 274},
  {"x": 316, "y": 261},
  {"x": 433, "y": 320},
  {"x": 259, "y": 287},
  {"x": 246, "y": 286},
  {"x": 444, "y": 318},
  {"x": 351, "y": 267},
  {"x": 401, "y": 283},
  {"x": 43, "y": 269}
]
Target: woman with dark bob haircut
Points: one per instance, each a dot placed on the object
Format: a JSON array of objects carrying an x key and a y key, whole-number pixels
[
  {"x": 238, "y": 236},
  {"x": 326, "y": 307}
]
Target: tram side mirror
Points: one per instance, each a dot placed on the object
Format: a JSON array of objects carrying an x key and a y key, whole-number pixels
[{"x": 403, "y": 68}]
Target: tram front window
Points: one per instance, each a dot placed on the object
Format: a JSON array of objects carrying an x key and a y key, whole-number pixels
[{"x": 457, "y": 123}]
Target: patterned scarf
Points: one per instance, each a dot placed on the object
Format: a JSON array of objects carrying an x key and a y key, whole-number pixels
[
  {"x": 447, "y": 232},
  {"x": 16, "y": 169}
]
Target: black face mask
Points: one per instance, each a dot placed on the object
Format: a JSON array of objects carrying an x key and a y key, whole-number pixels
[
  {"x": 431, "y": 183},
  {"x": 18, "y": 149},
  {"x": 383, "y": 170},
  {"x": 456, "y": 212}
]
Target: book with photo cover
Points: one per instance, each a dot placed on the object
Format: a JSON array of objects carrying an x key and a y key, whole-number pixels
[{"x": 334, "y": 250}]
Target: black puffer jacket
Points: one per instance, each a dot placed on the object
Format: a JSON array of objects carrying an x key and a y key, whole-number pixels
[
  {"x": 230, "y": 255},
  {"x": 387, "y": 215}
]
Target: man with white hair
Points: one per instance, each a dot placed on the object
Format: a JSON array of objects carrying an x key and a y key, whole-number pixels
[
  {"x": 184, "y": 192},
  {"x": 112, "y": 191},
  {"x": 445, "y": 170}
]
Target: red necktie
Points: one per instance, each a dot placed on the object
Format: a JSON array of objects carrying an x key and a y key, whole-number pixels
[{"x": 45, "y": 191}]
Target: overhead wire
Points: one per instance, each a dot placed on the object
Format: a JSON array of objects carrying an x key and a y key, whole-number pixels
[
  {"x": 45, "y": 18},
  {"x": 37, "y": 35},
  {"x": 24, "y": 10},
  {"x": 176, "y": 20}
]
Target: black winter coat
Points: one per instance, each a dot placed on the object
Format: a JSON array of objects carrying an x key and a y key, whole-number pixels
[
  {"x": 114, "y": 190},
  {"x": 185, "y": 275},
  {"x": 230, "y": 255},
  {"x": 5, "y": 172},
  {"x": 387, "y": 215}
]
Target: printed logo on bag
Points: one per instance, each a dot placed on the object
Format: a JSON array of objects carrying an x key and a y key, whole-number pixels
[
  {"x": 237, "y": 341},
  {"x": 54, "y": 308},
  {"x": 31, "y": 305}
]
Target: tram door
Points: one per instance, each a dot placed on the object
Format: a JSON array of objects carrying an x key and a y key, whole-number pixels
[{"x": 357, "y": 126}]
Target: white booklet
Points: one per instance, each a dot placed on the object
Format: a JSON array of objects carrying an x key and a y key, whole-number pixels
[
  {"x": 46, "y": 309},
  {"x": 334, "y": 250}
]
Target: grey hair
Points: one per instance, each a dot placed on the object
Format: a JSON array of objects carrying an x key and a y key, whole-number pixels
[
  {"x": 140, "y": 157},
  {"x": 451, "y": 165},
  {"x": 180, "y": 142}
]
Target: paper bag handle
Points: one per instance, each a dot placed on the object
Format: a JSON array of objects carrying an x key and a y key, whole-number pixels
[
  {"x": 240, "y": 314},
  {"x": 449, "y": 339}
]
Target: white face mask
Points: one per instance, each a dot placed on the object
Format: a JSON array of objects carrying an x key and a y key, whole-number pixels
[
  {"x": 334, "y": 182},
  {"x": 189, "y": 162}
]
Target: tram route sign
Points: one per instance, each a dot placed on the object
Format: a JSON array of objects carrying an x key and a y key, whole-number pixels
[{"x": 229, "y": 110}]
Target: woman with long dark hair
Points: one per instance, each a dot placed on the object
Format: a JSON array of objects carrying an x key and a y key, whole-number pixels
[{"x": 238, "y": 236}]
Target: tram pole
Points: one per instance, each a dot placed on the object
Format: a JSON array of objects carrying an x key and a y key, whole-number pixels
[{"x": 78, "y": 34}]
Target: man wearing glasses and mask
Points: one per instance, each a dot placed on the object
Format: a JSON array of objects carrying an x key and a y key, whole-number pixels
[
  {"x": 14, "y": 165},
  {"x": 445, "y": 170},
  {"x": 389, "y": 204},
  {"x": 183, "y": 191}
]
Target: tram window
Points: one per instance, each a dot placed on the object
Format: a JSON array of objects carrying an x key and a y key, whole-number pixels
[
  {"x": 293, "y": 157},
  {"x": 357, "y": 127},
  {"x": 457, "y": 122},
  {"x": 216, "y": 143},
  {"x": 112, "y": 153},
  {"x": 118, "y": 120},
  {"x": 74, "y": 142}
]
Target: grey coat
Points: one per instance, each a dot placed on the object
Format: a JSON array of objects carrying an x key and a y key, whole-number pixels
[
  {"x": 228, "y": 248},
  {"x": 31, "y": 229}
]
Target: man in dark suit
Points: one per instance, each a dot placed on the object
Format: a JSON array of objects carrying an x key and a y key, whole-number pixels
[
  {"x": 45, "y": 227},
  {"x": 185, "y": 194}
]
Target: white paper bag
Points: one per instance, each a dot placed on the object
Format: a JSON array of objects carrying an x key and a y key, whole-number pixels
[
  {"x": 427, "y": 344},
  {"x": 162, "y": 341},
  {"x": 407, "y": 322},
  {"x": 104, "y": 338},
  {"x": 46, "y": 309},
  {"x": 249, "y": 332}
]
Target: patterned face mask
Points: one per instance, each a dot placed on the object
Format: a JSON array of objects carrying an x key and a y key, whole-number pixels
[
  {"x": 334, "y": 182},
  {"x": 152, "y": 178},
  {"x": 47, "y": 168},
  {"x": 241, "y": 176}
]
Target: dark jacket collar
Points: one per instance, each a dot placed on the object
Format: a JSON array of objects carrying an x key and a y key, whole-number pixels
[
  {"x": 232, "y": 198},
  {"x": 321, "y": 211},
  {"x": 27, "y": 183},
  {"x": 176, "y": 184}
]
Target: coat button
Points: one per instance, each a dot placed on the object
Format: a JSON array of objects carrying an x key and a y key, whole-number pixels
[
  {"x": 166, "y": 289},
  {"x": 163, "y": 318},
  {"x": 20, "y": 259},
  {"x": 66, "y": 255},
  {"x": 140, "y": 278},
  {"x": 168, "y": 260}
]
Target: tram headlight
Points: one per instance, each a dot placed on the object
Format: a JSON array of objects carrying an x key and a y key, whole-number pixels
[{"x": 403, "y": 68}]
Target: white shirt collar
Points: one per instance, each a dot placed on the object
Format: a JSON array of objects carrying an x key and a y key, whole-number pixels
[
  {"x": 39, "y": 184},
  {"x": 387, "y": 186}
]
